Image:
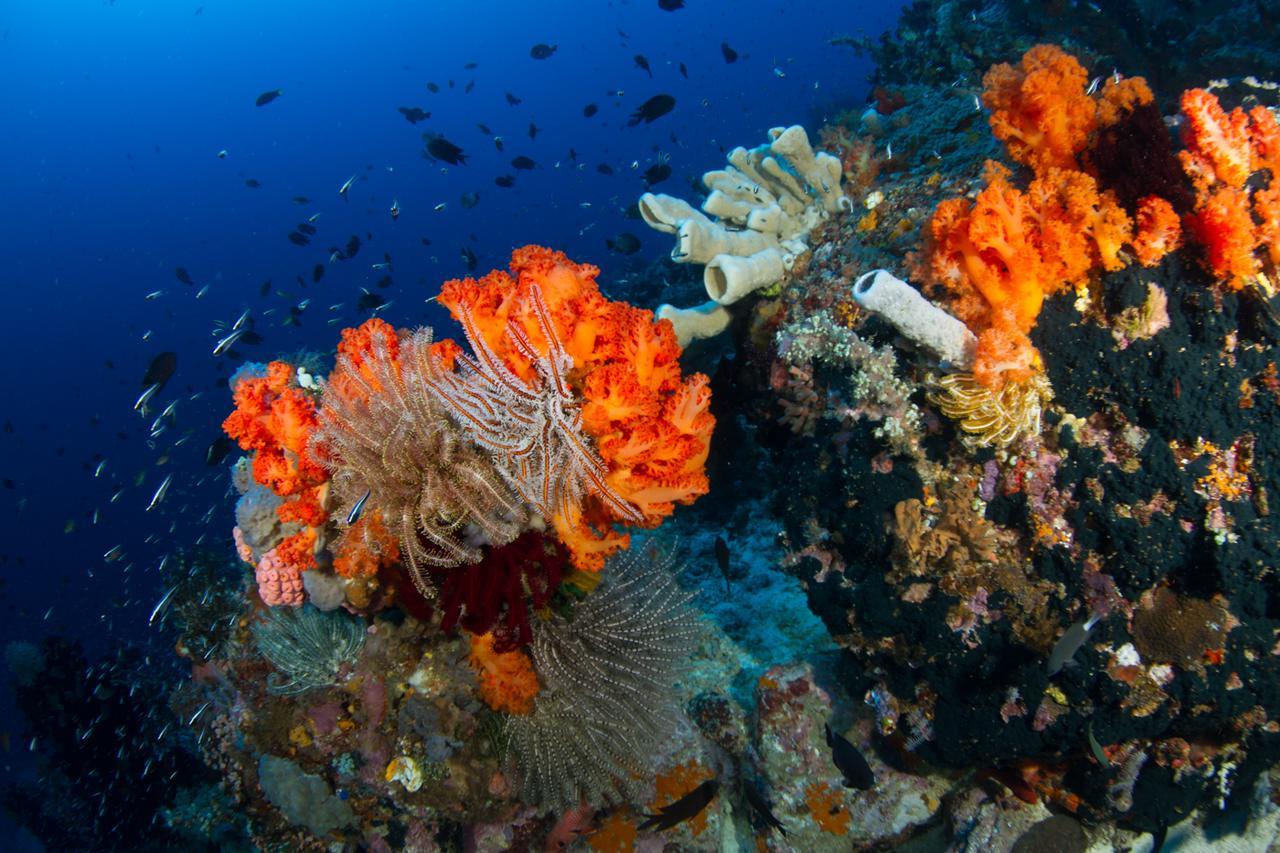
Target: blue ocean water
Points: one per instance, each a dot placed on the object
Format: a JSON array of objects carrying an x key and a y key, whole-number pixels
[{"x": 114, "y": 117}]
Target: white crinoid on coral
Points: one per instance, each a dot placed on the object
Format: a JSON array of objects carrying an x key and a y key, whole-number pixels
[{"x": 764, "y": 204}]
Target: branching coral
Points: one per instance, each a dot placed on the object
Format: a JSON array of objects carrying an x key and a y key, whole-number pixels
[
  {"x": 384, "y": 434},
  {"x": 606, "y": 706},
  {"x": 581, "y": 397}
]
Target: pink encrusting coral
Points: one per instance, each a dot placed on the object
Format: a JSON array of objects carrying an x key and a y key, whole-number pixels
[{"x": 279, "y": 582}]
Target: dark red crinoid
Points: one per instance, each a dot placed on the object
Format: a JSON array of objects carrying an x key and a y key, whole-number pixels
[{"x": 496, "y": 594}]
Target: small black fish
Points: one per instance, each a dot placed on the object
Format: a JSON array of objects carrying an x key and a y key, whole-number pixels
[
  {"x": 589, "y": 110},
  {"x": 542, "y": 51},
  {"x": 265, "y": 288},
  {"x": 370, "y": 302},
  {"x": 533, "y": 130},
  {"x": 306, "y": 228},
  {"x": 512, "y": 99},
  {"x": 469, "y": 200},
  {"x": 641, "y": 62},
  {"x": 573, "y": 155},
  {"x": 730, "y": 55},
  {"x": 625, "y": 243},
  {"x": 218, "y": 450},
  {"x": 722, "y": 560},
  {"x": 413, "y": 115},
  {"x": 353, "y": 246},
  {"x": 469, "y": 257},
  {"x": 383, "y": 283},
  {"x": 652, "y": 109},
  {"x": 440, "y": 148},
  {"x": 471, "y": 84},
  {"x": 160, "y": 369},
  {"x": 604, "y": 169},
  {"x": 484, "y": 128},
  {"x": 252, "y": 183},
  {"x": 433, "y": 88},
  {"x": 523, "y": 162},
  {"x": 505, "y": 181},
  {"x": 687, "y": 807},
  {"x": 684, "y": 72},
  {"x": 183, "y": 276},
  {"x": 317, "y": 273},
  {"x": 656, "y": 174},
  {"x": 267, "y": 97},
  {"x": 760, "y": 806},
  {"x": 298, "y": 239},
  {"x": 497, "y": 142},
  {"x": 849, "y": 761},
  {"x": 301, "y": 199},
  {"x": 670, "y": 5},
  {"x": 471, "y": 66}
]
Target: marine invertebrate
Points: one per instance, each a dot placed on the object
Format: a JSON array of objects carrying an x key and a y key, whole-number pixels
[
  {"x": 385, "y": 434},
  {"x": 1178, "y": 629},
  {"x": 916, "y": 317},
  {"x": 279, "y": 582},
  {"x": 606, "y": 705},
  {"x": 507, "y": 681},
  {"x": 307, "y": 646},
  {"x": 993, "y": 418},
  {"x": 496, "y": 594},
  {"x": 582, "y": 398},
  {"x": 1236, "y": 220},
  {"x": 765, "y": 202}
]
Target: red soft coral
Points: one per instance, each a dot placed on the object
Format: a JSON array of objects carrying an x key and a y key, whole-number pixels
[
  {"x": 1040, "y": 109},
  {"x": 365, "y": 547}
]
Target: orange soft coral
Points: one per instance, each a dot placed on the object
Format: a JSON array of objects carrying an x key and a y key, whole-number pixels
[
  {"x": 1223, "y": 227},
  {"x": 365, "y": 547},
  {"x": 1040, "y": 109},
  {"x": 650, "y": 424},
  {"x": 359, "y": 345},
  {"x": 507, "y": 680},
  {"x": 299, "y": 550},
  {"x": 1235, "y": 220},
  {"x": 1159, "y": 230},
  {"x": 1217, "y": 143}
]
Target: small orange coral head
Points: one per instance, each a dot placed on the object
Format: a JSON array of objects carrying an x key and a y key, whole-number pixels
[
  {"x": 507, "y": 680},
  {"x": 637, "y": 431},
  {"x": 365, "y": 547},
  {"x": 1159, "y": 230},
  {"x": 1040, "y": 109}
]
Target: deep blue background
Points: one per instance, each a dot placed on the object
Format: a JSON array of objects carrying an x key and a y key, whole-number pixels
[{"x": 113, "y": 115}]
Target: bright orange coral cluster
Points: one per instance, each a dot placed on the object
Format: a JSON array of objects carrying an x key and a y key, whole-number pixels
[
  {"x": 651, "y": 425},
  {"x": 275, "y": 420},
  {"x": 1238, "y": 227},
  {"x": 1002, "y": 254},
  {"x": 1043, "y": 111},
  {"x": 507, "y": 679}
]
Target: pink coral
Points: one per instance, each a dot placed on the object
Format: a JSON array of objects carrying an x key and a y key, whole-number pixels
[
  {"x": 279, "y": 582},
  {"x": 242, "y": 547}
]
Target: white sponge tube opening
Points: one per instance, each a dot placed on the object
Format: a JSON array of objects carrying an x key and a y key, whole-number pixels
[{"x": 918, "y": 319}]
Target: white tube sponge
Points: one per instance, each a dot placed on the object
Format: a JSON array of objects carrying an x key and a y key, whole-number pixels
[
  {"x": 792, "y": 145},
  {"x": 728, "y": 278},
  {"x": 665, "y": 213},
  {"x": 700, "y": 240},
  {"x": 691, "y": 324},
  {"x": 916, "y": 318}
]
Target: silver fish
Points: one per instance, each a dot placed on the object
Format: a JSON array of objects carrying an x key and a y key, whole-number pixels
[
  {"x": 146, "y": 396},
  {"x": 229, "y": 341},
  {"x": 160, "y": 605},
  {"x": 160, "y": 492}
]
